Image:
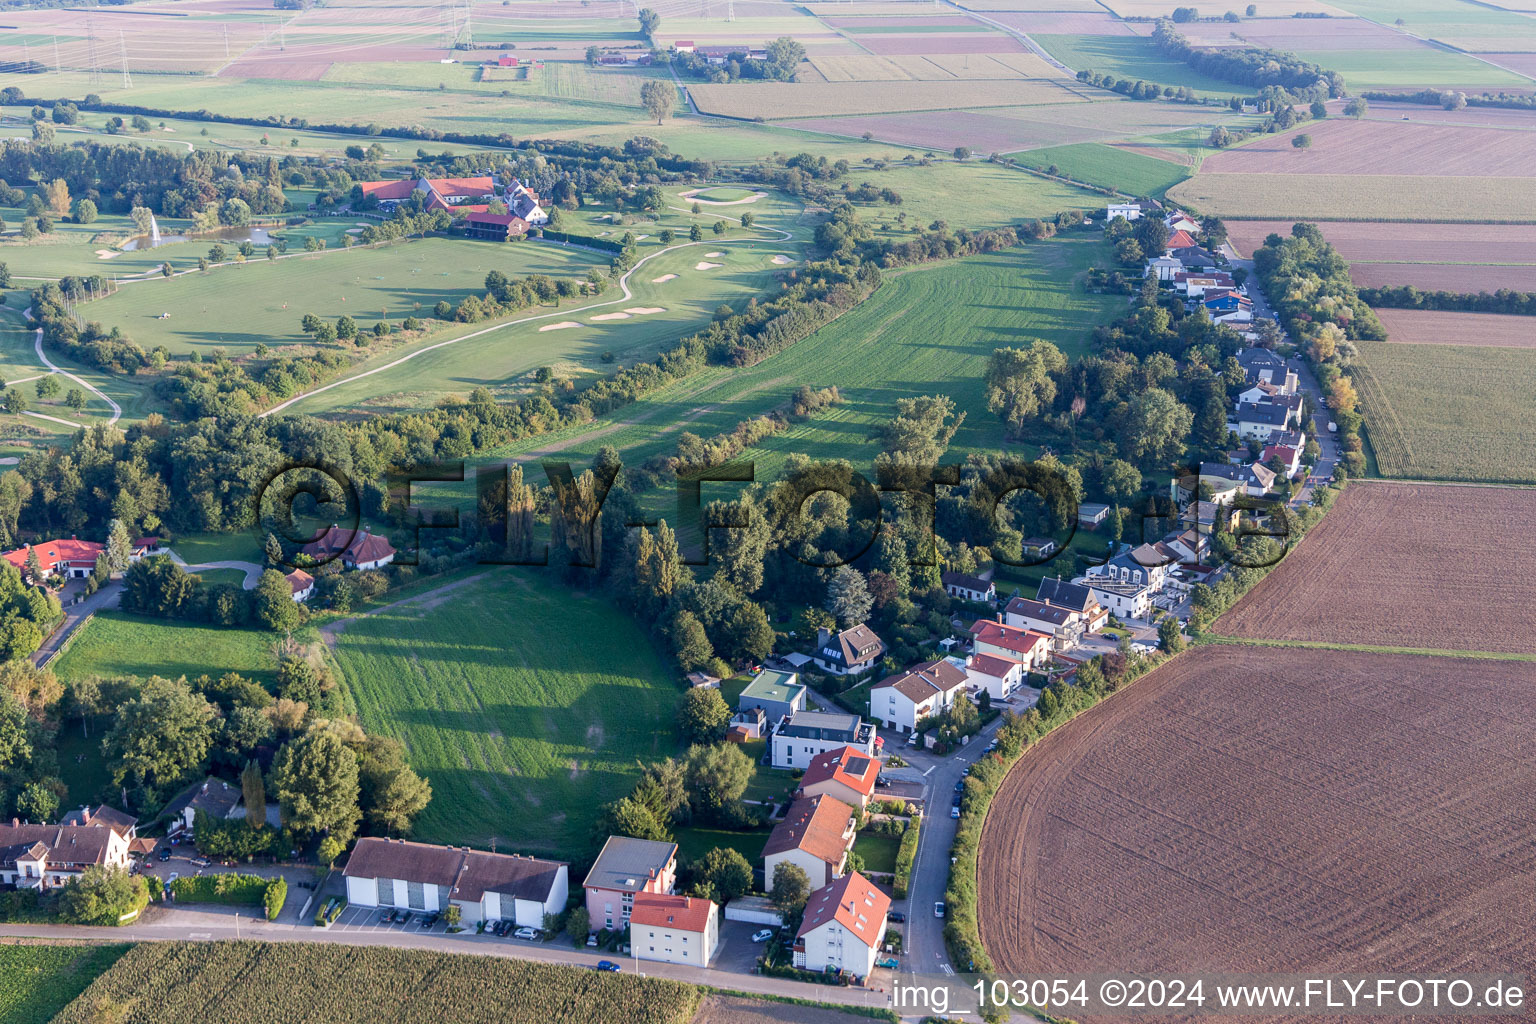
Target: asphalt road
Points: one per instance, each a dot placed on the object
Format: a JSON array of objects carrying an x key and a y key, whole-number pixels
[{"x": 923, "y": 935}]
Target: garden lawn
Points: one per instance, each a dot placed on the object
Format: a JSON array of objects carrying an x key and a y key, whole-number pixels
[
  {"x": 119, "y": 644},
  {"x": 694, "y": 841},
  {"x": 879, "y": 852},
  {"x": 526, "y": 704},
  {"x": 1108, "y": 167},
  {"x": 38, "y": 981}
]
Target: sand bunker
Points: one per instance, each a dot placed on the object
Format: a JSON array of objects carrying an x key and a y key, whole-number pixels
[
  {"x": 639, "y": 237},
  {"x": 706, "y": 266},
  {"x": 560, "y": 326},
  {"x": 663, "y": 278},
  {"x": 642, "y": 310},
  {"x": 106, "y": 254},
  {"x": 781, "y": 260},
  {"x": 611, "y": 316},
  {"x": 713, "y": 255}
]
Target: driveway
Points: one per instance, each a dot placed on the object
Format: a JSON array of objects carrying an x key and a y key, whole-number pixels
[
  {"x": 251, "y": 569},
  {"x": 74, "y": 615}
]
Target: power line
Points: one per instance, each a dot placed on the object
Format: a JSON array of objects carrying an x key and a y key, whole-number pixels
[{"x": 123, "y": 48}]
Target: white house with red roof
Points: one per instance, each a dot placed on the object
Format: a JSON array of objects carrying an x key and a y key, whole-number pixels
[
  {"x": 996, "y": 674},
  {"x": 1290, "y": 457},
  {"x": 674, "y": 929},
  {"x": 437, "y": 193},
  {"x": 1032, "y": 649},
  {"x": 1180, "y": 240},
  {"x": 301, "y": 583},
  {"x": 847, "y": 774},
  {"x": 357, "y": 549},
  {"x": 73, "y": 558},
  {"x": 843, "y": 926}
]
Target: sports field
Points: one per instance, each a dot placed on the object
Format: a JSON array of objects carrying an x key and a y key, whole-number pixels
[
  {"x": 118, "y": 644},
  {"x": 1481, "y": 431},
  {"x": 526, "y": 704}
]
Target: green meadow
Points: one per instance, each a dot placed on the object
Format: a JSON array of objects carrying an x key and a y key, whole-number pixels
[{"x": 525, "y": 703}]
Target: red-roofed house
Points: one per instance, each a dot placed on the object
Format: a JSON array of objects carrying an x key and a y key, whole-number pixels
[
  {"x": 847, "y": 774},
  {"x": 303, "y": 584},
  {"x": 843, "y": 925},
  {"x": 357, "y": 550},
  {"x": 437, "y": 193},
  {"x": 498, "y": 227},
  {"x": 1024, "y": 645},
  {"x": 998, "y": 675},
  {"x": 684, "y": 46},
  {"x": 816, "y": 834},
  {"x": 73, "y": 558},
  {"x": 674, "y": 929},
  {"x": 1180, "y": 240},
  {"x": 1289, "y": 457}
]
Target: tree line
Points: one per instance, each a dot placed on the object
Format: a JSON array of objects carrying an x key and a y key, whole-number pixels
[
  {"x": 1504, "y": 300},
  {"x": 1250, "y": 66}
]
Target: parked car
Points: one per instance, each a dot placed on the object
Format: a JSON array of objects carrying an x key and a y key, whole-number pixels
[
  {"x": 608, "y": 965},
  {"x": 956, "y": 801},
  {"x": 896, "y": 916},
  {"x": 764, "y": 935},
  {"x": 938, "y": 909},
  {"x": 428, "y": 921},
  {"x": 592, "y": 940},
  {"x": 525, "y": 933},
  {"x": 405, "y": 918},
  {"x": 386, "y": 916},
  {"x": 165, "y": 853},
  {"x": 881, "y": 780},
  {"x": 954, "y": 812},
  {"x": 960, "y": 786},
  {"x": 171, "y": 878}
]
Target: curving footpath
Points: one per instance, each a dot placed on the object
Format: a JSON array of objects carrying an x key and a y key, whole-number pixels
[
  {"x": 627, "y": 296},
  {"x": 37, "y": 344}
]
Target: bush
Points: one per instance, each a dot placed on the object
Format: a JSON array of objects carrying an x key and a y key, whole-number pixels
[
  {"x": 905, "y": 854},
  {"x": 274, "y": 898},
  {"x": 227, "y": 889},
  {"x": 329, "y": 911}
]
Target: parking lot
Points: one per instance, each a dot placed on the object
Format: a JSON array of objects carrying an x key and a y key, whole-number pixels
[{"x": 358, "y": 919}]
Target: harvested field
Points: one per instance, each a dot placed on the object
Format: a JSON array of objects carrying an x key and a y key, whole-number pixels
[
  {"x": 1303, "y": 34},
  {"x": 1278, "y": 9},
  {"x": 1342, "y": 196},
  {"x": 1088, "y": 6},
  {"x": 739, "y": 1010},
  {"x": 1173, "y": 156},
  {"x": 1348, "y": 146},
  {"x": 1434, "y": 327},
  {"x": 913, "y": 43},
  {"x": 877, "y": 8},
  {"x": 1009, "y": 130},
  {"x": 1320, "y": 811},
  {"x": 1002, "y": 65},
  {"x": 1404, "y": 565},
  {"x": 1366, "y": 242},
  {"x": 1524, "y": 63},
  {"x": 291, "y": 71},
  {"x": 1064, "y": 23},
  {"x": 1452, "y": 277},
  {"x": 1494, "y": 117},
  {"x": 917, "y": 21},
  {"x": 791, "y": 99}
]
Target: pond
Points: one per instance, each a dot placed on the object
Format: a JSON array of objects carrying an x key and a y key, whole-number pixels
[{"x": 256, "y": 236}]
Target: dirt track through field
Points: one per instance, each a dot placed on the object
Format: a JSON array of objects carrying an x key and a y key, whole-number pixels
[
  {"x": 1419, "y": 566},
  {"x": 1251, "y": 809}
]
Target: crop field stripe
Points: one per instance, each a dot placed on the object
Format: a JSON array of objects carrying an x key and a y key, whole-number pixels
[{"x": 1332, "y": 645}]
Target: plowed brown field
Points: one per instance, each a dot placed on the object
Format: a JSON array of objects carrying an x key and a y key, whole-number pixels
[
  {"x": 1406, "y": 565},
  {"x": 1450, "y": 277},
  {"x": 1374, "y": 242},
  {"x": 1255, "y": 810},
  {"x": 1435, "y": 327}
]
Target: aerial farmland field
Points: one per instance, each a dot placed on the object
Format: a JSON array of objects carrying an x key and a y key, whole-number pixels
[
  {"x": 1326, "y": 196},
  {"x": 1349, "y": 146},
  {"x": 1108, "y": 166},
  {"x": 1435, "y": 327},
  {"x": 1417, "y": 431},
  {"x": 1193, "y": 822},
  {"x": 1376, "y": 555}
]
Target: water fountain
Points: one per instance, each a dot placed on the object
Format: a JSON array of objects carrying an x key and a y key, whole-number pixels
[{"x": 154, "y": 231}]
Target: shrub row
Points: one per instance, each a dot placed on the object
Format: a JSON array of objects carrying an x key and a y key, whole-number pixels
[
  {"x": 905, "y": 855},
  {"x": 233, "y": 890}
]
